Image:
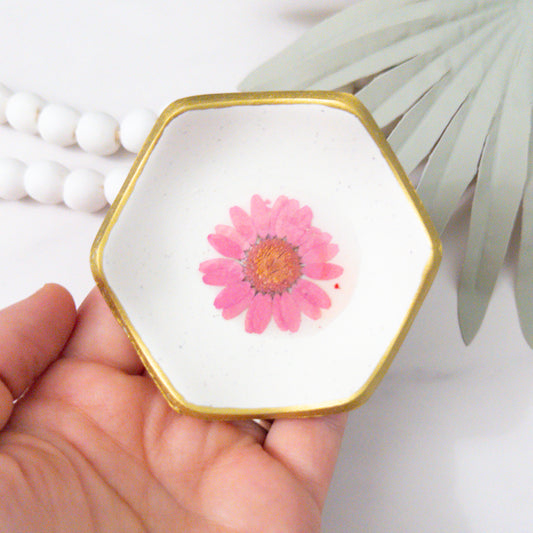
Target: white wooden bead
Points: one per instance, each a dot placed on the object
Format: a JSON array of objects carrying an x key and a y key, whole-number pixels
[
  {"x": 22, "y": 111},
  {"x": 57, "y": 124},
  {"x": 113, "y": 182},
  {"x": 5, "y": 94},
  {"x": 84, "y": 190},
  {"x": 12, "y": 179},
  {"x": 135, "y": 127},
  {"x": 44, "y": 180},
  {"x": 98, "y": 133}
]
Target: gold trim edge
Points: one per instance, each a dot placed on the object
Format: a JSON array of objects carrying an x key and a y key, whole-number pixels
[{"x": 342, "y": 101}]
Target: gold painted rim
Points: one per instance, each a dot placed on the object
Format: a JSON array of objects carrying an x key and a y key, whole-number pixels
[{"x": 342, "y": 101}]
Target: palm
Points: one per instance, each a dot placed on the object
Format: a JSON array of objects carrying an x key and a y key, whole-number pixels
[{"x": 93, "y": 445}]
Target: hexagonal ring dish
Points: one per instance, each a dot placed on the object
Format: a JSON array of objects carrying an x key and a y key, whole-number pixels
[{"x": 294, "y": 199}]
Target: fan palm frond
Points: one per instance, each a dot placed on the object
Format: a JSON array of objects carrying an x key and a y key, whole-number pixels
[{"x": 459, "y": 73}]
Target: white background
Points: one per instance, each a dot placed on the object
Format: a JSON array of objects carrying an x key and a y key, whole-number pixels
[{"x": 445, "y": 442}]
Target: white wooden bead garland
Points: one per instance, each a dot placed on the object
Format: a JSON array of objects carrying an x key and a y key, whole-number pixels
[
  {"x": 57, "y": 124},
  {"x": 99, "y": 133},
  {"x": 12, "y": 179},
  {"x": 83, "y": 190},
  {"x": 135, "y": 127},
  {"x": 22, "y": 111},
  {"x": 5, "y": 94},
  {"x": 44, "y": 181},
  {"x": 94, "y": 132},
  {"x": 51, "y": 183},
  {"x": 113, "y": 182}
]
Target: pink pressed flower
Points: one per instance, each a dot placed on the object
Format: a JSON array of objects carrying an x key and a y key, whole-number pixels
[{"x": 268, "y": 254}]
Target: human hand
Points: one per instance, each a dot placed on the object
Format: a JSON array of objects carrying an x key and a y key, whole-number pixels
[{"x": 93, "y": 446}]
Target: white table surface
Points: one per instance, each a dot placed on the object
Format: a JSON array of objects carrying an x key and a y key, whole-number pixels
[{"x": 445, "y": 442}]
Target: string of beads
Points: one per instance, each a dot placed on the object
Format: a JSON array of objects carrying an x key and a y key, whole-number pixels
[
  {"x": 48, "y": 182},
  {"x": 95, "y": 132}
]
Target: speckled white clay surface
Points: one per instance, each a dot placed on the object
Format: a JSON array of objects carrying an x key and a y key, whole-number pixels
[{"x": 210, "y": 160}]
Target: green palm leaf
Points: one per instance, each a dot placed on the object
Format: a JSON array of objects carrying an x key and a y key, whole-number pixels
[{"x": 459, "y": 74}]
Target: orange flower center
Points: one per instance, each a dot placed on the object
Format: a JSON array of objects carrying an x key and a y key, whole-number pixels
[{"x": 272, "y": 266}]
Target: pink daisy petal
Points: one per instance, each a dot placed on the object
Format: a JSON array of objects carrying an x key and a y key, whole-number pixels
[
  {"x": 224, "y": 276},
  {"x": 313, "y": 237},
  {"x": 322, "y": 271},
  {"x": 290, "y": 312},
  {"x": 320, "y": 253},
  {"x": 296, "y": 224},
  {"x": 278, "y": 206},
  {"x": 260, "y": 213},
  {"x": 277, "y": 314},
  {"x": 216, "y": 264},
  {"x": 259, "y": 313},
  {"x": 304, "y": 216},
  {"x": 235, "y": 310},
  {"x": 232, "y": 295},
  {"x": 286, "y": 218},
  {"x": 295, "y": 234},
  {"x": 312, "y": 293},
  {"x": 231, "y": 233},
  {"x": 306, "y": 307},
  {"x": 225, "y": 246},
  {"x": 243, "y": 223},
  {"x": 221, "y": 271},
  {"x": 307, "y": 237}
]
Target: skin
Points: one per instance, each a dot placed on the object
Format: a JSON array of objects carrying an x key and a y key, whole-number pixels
[{"x": 92, "y": 445}]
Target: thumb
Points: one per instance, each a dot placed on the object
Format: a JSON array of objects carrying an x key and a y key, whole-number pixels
[{"x": 32, "y": 335}]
